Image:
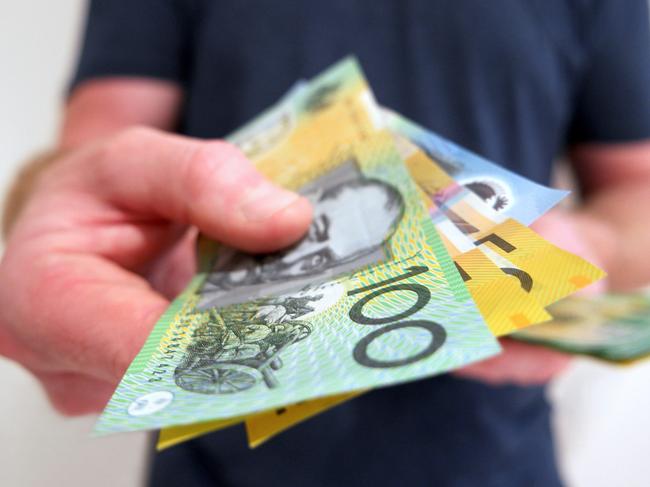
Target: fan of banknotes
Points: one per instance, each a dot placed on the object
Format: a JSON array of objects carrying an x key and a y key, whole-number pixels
[{"x": 419, "y": 256}]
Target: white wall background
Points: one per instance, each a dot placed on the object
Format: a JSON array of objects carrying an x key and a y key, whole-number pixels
[{"x": 602, "y": 418}]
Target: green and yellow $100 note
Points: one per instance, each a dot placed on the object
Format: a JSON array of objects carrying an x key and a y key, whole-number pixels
[{"x": 369, "y": 298}]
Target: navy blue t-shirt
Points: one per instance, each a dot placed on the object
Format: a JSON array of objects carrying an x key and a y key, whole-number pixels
[{"x": 514, "y": 80}]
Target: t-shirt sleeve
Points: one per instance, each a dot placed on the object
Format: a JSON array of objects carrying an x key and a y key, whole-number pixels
[
  {"x": 613, "y": 98},
  {"x": 147, "y": 38}
]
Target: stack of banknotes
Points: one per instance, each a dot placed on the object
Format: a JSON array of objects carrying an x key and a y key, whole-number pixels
[
  {"x": 419, "y": 256},
  {"x": 612, "y": 327}
]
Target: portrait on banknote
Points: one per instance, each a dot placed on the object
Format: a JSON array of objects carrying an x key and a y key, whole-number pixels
[{"x": 354, "y": 216}]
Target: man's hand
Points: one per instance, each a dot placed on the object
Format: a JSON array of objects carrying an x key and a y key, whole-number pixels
[
  {"x": 519, "y": 364},
  {"x": 105, "y": 222}
]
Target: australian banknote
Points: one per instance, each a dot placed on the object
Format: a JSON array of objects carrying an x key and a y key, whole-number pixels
[
  {"x": 407, "y": 317},
  {"x": 504, "y": 191},
  {"x": 612, "y": 327}
]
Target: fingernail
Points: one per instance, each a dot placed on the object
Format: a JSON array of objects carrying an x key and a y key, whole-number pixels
[{"x": 265, "y": 200}]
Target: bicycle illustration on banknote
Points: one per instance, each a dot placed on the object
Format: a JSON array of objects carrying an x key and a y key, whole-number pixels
[
  {"x": 240, "y": 346},
  {"x": 232, "y": 356}
]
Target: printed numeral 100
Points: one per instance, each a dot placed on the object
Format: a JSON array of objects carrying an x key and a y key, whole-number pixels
[{"x": 397, "y": 321}]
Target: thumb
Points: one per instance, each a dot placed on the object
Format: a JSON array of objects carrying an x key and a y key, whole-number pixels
[{"x": 211, "y": 185}]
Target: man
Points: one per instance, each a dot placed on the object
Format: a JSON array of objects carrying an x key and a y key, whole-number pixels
[{"x": 101, "y": 239}]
